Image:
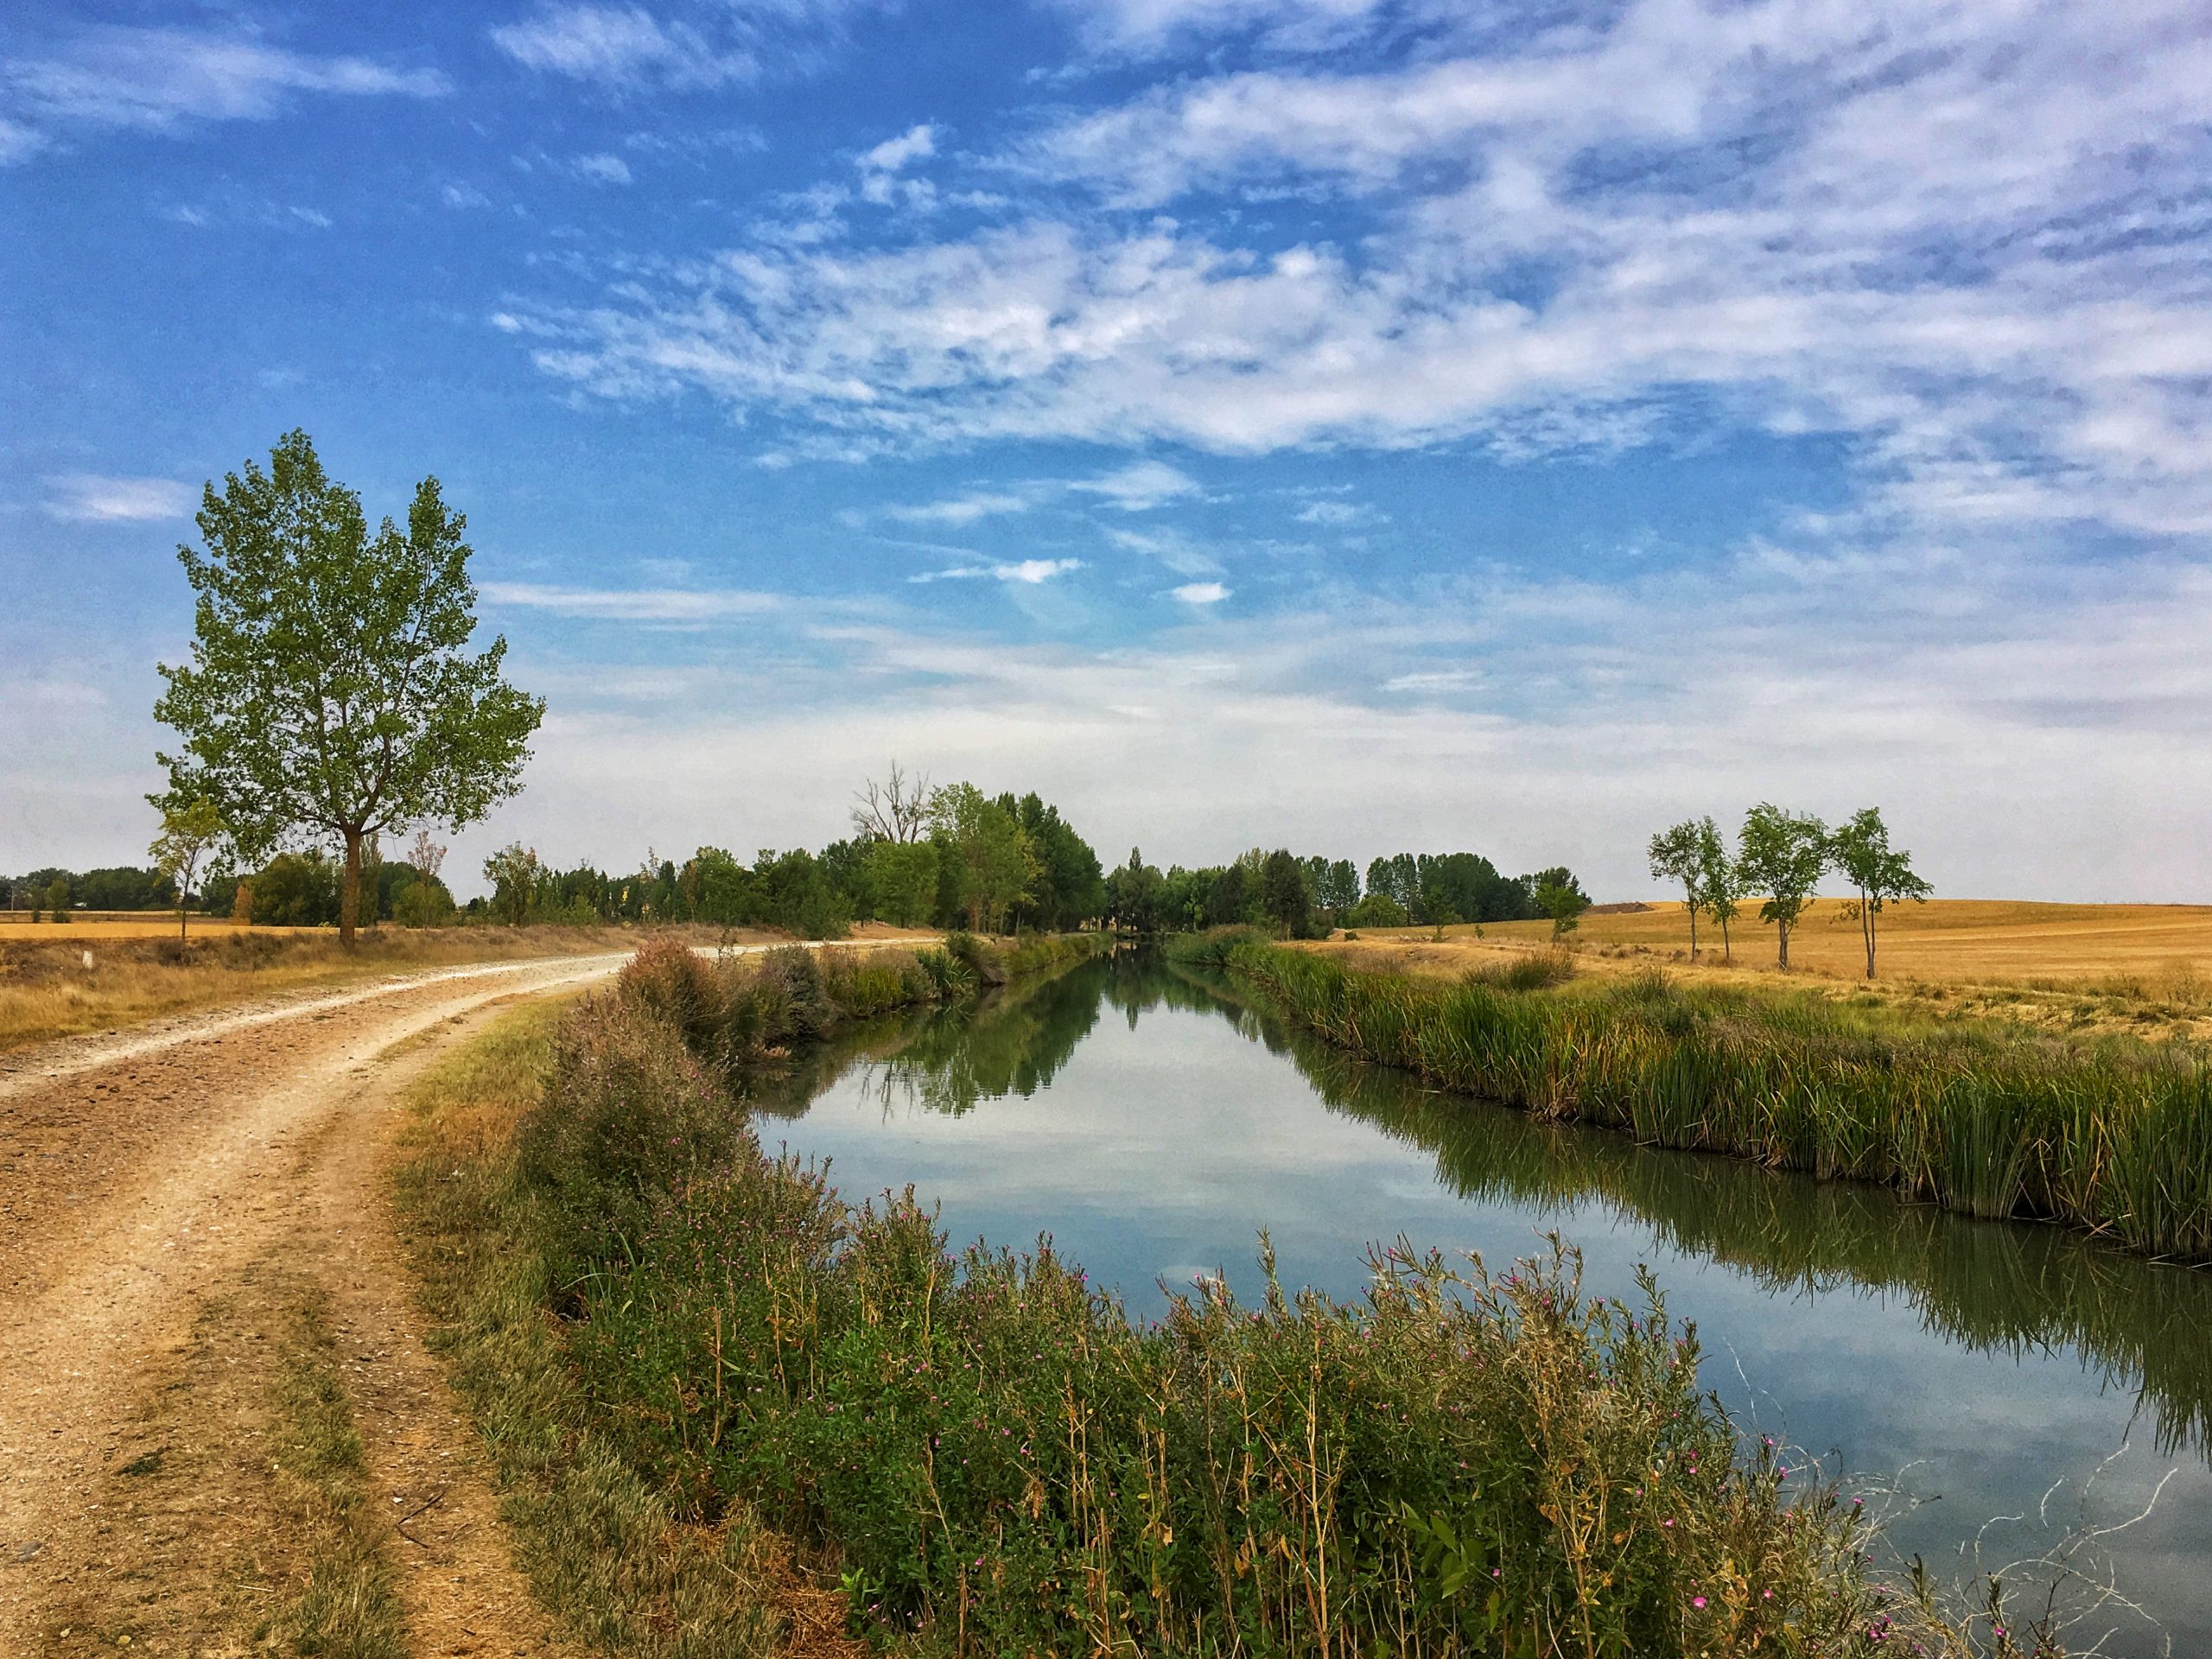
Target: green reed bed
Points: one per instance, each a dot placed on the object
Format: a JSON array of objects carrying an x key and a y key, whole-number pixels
[
  {"x": 2115, "y": 1138},
  {"x": 997, "y": 1460}
]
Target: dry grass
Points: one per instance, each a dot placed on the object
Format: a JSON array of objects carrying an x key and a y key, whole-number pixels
[
  {"x": 2143, "y": 969},
  {"x": 17, "y": 928}
]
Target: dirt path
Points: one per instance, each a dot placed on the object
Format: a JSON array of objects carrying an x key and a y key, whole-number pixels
[{"x": 193, "y": 1217}]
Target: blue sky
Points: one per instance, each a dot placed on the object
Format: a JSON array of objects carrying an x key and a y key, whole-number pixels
[{"x": 1362, "y": 423}]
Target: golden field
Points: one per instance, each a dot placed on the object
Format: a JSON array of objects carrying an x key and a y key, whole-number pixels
[
  {"x": 17, "y": 928},
  {"x": 2140, "y": 968}
]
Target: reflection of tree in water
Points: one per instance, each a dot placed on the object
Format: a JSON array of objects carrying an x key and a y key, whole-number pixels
[
  {"x": 1012, "y": 1041},
  {"x": 2012, "y": 1288}
]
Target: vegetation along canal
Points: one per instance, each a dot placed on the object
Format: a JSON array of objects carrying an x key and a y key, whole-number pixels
[{"x": 2011, "y": 1394}]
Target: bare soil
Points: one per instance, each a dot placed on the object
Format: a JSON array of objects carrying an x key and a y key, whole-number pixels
[{"x": 179, "y": 1206}]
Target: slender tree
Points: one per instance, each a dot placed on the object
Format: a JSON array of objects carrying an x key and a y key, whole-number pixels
[
  {"x": 1783, "y": 856},
  {"x": 1883, "y": 875},
  {"x": 1675, "y": 857},
  {"x": 190, "y": 830},
  {"x": 1719, "y": 883},
  {"x": 331, "y": 692}
]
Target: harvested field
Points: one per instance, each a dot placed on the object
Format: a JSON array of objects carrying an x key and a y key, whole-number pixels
[{"x": 2145, "y": 968}]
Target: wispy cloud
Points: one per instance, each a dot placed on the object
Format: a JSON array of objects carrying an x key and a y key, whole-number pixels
[
  {"x": 93, "y": 498},
  {"x": 1201, "y": 593},
  {"x": 1028, "y": 571},
  {"x": 673, "y": 604},
  {"x": 621, "y": 46},
  {"x": 1911, "y": 229},
  {"x": 962, "y": 509},
  {"x": 1342, "y": 515},
  {"x": 158, "y": 80},
  {"x": 1139, "y": 486},
  {"x": 603, "y": 167}
]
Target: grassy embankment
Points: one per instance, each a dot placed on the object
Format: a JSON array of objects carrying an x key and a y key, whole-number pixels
[
  {"x": 2139, "y": 970},
  {"x": 2111, "y": 1136},
  {"x": 762, "y": 1408},
  {"x": 46, "y": 991}
]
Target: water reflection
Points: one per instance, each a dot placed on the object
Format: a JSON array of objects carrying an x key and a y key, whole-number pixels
[{"x": 1988, "y": 1358}]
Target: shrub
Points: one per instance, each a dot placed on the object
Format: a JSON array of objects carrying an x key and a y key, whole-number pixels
[{"x": 1526, "y": 970}]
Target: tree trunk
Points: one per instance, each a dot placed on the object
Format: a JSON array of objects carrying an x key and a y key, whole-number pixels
[
  {"x": 1866, "y": 921},
  {"x": 1727, "y": 945},
  {"x": 349, "y": 898},
  {"x": 1783, "y": 929},
  {"x": 1690, "y": 898}
]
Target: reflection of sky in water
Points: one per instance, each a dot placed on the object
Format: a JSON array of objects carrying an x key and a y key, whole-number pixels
[{"x": 1161, "y": 1147}]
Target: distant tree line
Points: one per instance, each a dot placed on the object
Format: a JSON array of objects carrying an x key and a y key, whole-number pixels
[
  {"x": 122, "y": 887},
  {"x": 1783, "y": 856},
  {"x": 1306, "y": 896}
]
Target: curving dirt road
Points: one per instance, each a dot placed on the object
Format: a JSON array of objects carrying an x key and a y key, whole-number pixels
[{"x": 189, "y": 1213}]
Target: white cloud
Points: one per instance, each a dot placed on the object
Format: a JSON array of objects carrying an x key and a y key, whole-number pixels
[
  {"x": 671, "y": 604},
  {"x": 1030, "y": 572},
  {"x": 1963, "y": 240},
  {"x": 157, "y": 79},
  {"x": 603, "y": 168},
  {"x": 620, "y": 46},
  {"x": 962, "y": 509},
  {"x": 92, "y": 497},
  {"x": 1139, "y": 486},
  {"x": 1342, "y": 514},
  {"x": 463, "y": 197},
  {"x": 1202, "y": 593},
  {"x": 915, "y": 144}
]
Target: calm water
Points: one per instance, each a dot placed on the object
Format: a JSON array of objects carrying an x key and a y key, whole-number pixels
[{"x": 1153, "y": 1126}]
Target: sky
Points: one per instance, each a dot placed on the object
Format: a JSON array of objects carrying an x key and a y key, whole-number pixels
[{"x": 1366, "y": 425}]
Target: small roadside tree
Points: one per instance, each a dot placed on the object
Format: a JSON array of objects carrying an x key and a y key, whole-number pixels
[
  {"x": 1883, "y": 875},
  {"x": 331, "y": 692},
  {"x": 190, "y": 830},
  {"x": 1783, "y": 856},
  {"x": 1675, "y": 857},
  {"x": 1719, "y": 883}
]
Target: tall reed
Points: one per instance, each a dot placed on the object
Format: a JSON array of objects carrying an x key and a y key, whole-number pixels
[{"x": 2114, "y": 1137}]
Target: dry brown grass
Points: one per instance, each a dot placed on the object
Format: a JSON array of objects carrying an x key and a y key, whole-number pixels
[{"x": 2145, "y": 968}]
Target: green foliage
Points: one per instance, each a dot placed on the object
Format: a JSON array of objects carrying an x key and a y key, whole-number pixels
[
  {"x": 1720, "y": 882},
  {"x": 1135, "y": 895},
  {"x": 1526, "y": 970},
  {"x": 1564, "y": 902},
  {"x": 1860, "y": 850},
  {"x": 331, "y": 692},
  {"x": 190, "y": 830},
  {"x": 2115, "y": 1140},
  {"x": 1283, "y": 896},
  {"x": 1377, "y": 910},
  {"x": 514, "y": 872},
  {"x": 1489, "y": 1462},
  {"x": 423, "y": 902},
  {"x": 993, "y": 859},
  {"x": 1782, "y": 855},
  {"x": 1677, "y": 855},
  {"x": 297, "y": 890},
  {"x": 902, "y": 879},
  {"x": 57, "y": 898}
]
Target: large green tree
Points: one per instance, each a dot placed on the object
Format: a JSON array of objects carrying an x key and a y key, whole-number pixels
[
  {"x": 995, "y": 862},
  {"x": 332, "y": 693},
  {"x": 1861, "y": 851},
  {"x": 1783, "y": 855}
]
